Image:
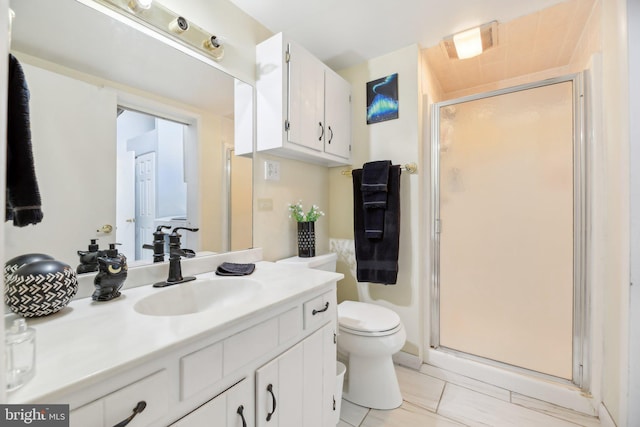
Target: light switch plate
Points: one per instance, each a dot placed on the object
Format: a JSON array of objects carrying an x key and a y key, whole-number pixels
[{"x": 271, "y": 170}]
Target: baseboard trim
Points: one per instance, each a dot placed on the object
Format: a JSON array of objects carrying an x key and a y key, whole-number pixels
[
  {"x": 408, "y": 360},
  {"x": 605, "y": 416}
]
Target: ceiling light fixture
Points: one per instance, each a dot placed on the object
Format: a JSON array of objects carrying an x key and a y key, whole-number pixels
[{"x": 471, "y": 42}]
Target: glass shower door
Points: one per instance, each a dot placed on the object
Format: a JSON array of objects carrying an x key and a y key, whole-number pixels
[{"x": 505, "y": 228}]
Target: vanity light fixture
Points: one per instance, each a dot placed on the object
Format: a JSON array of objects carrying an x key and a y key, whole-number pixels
[
  {"x": 139, "y": 5},
  {"x": 168, "y": 23},
  {"x": 471, "y": 42}
]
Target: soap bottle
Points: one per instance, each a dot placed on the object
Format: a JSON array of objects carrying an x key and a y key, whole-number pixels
[
  {"x": 89, "y": 258},
  {"x": 20, "y": 354}
]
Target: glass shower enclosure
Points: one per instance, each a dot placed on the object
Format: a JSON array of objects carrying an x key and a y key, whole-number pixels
[{"x": 508, "y": 228}]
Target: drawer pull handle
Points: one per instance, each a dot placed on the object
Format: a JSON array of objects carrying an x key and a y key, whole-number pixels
[
  {"x": 139, "y": 408},
  {"x": 322, "y": 131},
  {"x": 331, "y": 137},
  {"x": 273, "y": 399},
  {"x": 240, "y": 412},
  {"x": 322, "y": 310}
]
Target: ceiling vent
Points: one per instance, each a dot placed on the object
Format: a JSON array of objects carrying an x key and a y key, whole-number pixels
[{"x": 471, "y": 42}]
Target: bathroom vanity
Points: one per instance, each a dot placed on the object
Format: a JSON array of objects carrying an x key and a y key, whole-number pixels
[{"x": 225, "y": 351}]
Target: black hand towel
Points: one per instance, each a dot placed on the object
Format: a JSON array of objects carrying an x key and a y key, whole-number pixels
[
  {"x": 375, "y": 178},
  {"x": 377, "y": 259},
  {"x": 22, "y": 192},
  {"x": 234, "y": 269}
]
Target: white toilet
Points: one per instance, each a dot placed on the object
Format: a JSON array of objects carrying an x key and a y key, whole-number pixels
[{"x": 368, "y": 336}]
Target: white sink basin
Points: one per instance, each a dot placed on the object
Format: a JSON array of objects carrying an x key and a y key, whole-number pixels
[{"x": 198, "y": 296}]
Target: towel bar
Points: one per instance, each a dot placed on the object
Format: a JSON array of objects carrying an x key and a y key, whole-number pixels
[{"x": 411, "y": 168}]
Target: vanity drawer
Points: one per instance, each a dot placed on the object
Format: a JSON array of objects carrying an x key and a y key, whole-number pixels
[
  {"x": 319, "y": 310},
  {"x": 200, "y": 370},
  {"x": 153, "y": 390},
  {"x": 250, "y": 344},
  {"x": 118, "y": 406}
]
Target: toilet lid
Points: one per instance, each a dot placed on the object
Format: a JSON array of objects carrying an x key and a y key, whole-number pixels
[{"x": 364, "y": 317}]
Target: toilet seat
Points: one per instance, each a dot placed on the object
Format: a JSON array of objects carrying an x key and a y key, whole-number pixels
[{"x": 365, "y": 319}]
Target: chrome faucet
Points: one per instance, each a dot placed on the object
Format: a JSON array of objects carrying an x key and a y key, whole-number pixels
[{"x": 175, "y": 254}]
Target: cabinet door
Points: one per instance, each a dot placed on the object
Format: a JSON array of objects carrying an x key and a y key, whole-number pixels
[
  {"x": 306, "y": 99},
  {"x": 228, "y": 409},
  {"x": 279, "y": 390},
  {"x": 337, "y": 115},
  {"x": 297, "y": 387},
  {"x": 329, "y": 357}
]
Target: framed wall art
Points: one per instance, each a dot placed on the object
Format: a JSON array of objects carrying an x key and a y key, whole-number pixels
[{"x": 382, "y": 99}]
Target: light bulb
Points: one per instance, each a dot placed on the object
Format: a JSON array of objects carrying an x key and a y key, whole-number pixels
[{"x": 139, "y": 5}]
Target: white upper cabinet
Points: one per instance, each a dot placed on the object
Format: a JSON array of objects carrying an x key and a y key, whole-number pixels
[{"x": 303, "y": 107}]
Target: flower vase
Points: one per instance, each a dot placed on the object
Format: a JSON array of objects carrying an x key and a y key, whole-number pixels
[{"x": 306, "y": 239}]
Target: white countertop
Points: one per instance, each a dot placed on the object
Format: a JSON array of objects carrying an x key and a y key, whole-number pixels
[{"x": 87, "y": 341}]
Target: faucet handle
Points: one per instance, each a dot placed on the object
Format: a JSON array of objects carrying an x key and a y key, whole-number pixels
[{"x": 175, "y": 230}]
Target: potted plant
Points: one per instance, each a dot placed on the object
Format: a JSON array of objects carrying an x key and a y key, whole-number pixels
[{"x": 306, "y": 228}]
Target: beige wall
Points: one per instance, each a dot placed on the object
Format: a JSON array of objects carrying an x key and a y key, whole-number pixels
[
  {"x": 274, "y": 231},
  {"x": 400, "y": 141}
]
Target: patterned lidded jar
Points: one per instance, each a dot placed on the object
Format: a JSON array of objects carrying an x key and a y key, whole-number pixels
[{"x": 40, "y": 288}]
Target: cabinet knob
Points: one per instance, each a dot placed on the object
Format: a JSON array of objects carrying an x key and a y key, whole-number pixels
[
  {"x": 240, "y": 412},
  {"x": 139, "y": 408},
  {"x": 273, "y": 400}
]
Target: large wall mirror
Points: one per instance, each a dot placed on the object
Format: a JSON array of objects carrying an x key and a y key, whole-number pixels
[{"x": 128, "y": 133}]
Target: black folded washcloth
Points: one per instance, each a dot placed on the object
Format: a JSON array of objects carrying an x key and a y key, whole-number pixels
[{"x": 234, "y": 269}]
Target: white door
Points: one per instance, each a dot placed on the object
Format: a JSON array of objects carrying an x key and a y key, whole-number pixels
[
  {"x": 337, "y": 111},
  {"x": 126, "y": 204},
  {"x": 145, "y": 202},
  {"x": 306, "y": 99}
]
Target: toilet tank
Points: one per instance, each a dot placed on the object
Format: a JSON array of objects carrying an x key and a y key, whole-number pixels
[{"x": 325, "y": 262}]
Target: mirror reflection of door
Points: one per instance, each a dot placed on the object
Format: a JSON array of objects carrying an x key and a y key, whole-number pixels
[
  {"x": 145, "y": 202},
  {"x": 151, "y": 187},
  {"x": 240, "y": 201}
]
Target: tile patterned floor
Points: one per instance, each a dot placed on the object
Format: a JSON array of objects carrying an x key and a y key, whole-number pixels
[{"x": 433, "y": 397}]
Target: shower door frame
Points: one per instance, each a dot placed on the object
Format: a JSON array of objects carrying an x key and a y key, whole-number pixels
[{"x": 580, "y": 339}]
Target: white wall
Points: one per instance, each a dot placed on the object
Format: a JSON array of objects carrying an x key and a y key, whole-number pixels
[
  {"x": 633, "y": 26},
  {"x": 398, "y": 140},
  {"x": 616, "y": 189},
  {"x": 239, "y": 31}
]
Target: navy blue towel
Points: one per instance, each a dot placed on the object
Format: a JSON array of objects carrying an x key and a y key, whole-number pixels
[
  {"x": 375, "y": 178},
  {"x": 377, "y": 259}
]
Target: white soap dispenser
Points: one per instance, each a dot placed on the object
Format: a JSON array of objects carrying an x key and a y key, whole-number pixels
[{"x": 20, "y": 354}]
